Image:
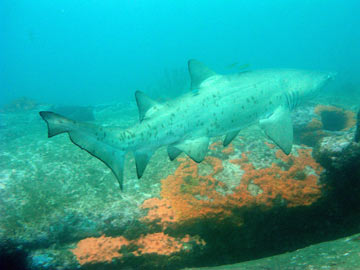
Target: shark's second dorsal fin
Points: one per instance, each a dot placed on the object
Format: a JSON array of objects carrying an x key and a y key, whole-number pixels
[
  {"x": 278, "y": 127},
  {"x": 198, "y": 73},
  {"x": 144, "y": 103}
]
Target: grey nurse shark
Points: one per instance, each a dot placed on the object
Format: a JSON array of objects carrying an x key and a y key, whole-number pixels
[{"x": 218, "y": 105}]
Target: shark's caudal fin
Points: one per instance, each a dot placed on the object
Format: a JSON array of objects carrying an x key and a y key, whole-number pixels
[
  {"x": 278, "y": 127},
  {"x": 88, "y": 137}
]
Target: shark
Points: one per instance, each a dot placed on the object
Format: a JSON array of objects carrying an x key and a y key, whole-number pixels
[{"x": 219, "y": 104}]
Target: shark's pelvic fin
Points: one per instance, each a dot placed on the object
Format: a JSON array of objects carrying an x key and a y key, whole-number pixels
[
  {"x": 173, "y": 152},
  {"x": 142, "y": 159},
  {"x": 198, "y": 73},
  {"x": 144, "y": 104},
  {"x": 230, "y": 136},
  {"x": 278, "y": 127},
  {"x": 196, "y": 149},
  {"x": 86, "y": 136}
]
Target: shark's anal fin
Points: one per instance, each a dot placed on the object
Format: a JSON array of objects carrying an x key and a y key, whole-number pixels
[
  {"x": 278, "y": 127},
  {"x": 198, "y": 73},
  {"x": 85, "y": 136},
  {"x": 230, "y": 136},
  {"x": 173, "y": 152},
  {"x": 196, "y": 149},
  {"x": 144, "y": 104},
  {"x": 142, "y": 159}
]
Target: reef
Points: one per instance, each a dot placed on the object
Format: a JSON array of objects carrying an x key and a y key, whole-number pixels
[
  {"x": 357, "y": 132},
  {"x": 313, "y": 123},
  {"x": 19, "y": 105},
  {"x": 243, "y": 202}
]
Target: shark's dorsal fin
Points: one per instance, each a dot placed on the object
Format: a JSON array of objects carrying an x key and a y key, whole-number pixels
[
  {"x": 142, "y": 159},
  {"x": 173, "y": 152},
  {"x": 144, "y": 103},
  {"x": 198, "y": 73},
  {"x": 278, "y": 127},
  {"x": 196, "y": 149},
  {"x": 230, "y": 136}
]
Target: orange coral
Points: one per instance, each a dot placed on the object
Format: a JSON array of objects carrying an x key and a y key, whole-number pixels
[
  {"x": 332, "y": 119},
  {"x": 270, "y": 145},
  {"x": 349, "y": 116},
  {"x": 99, "y": 249},
  {"x": 105, "y": 249},
  {"x": 229, "y": 149},
  {"x": 215, "y": 145},
  {"x": 189, "y": 195},
  {"x": 159, "y": 243},
  {"x": 314, "y": 124}
]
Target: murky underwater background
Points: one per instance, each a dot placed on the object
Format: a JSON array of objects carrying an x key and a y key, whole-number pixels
[
  {"x": 62, "y": 209},
  {"x": 67, "y": 52}
]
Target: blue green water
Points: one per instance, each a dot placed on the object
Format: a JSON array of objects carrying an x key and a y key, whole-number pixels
[
  {"x": 96, "y": 51},
  {"x": 60, "y": 53}
]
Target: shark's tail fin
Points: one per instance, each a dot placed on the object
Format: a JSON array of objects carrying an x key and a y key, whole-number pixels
[
  {"x": 90, "y": 138},
  {"x": 56, "y": 123}
]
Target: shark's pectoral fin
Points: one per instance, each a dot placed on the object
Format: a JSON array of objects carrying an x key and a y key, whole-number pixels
[
  {"x": 173, "y": 152},
  {"x": 142, "y": 159},
  {"x": 196, "y": 149},
  {"x": 112, "y": 157},
  {"x": 145, "y": 105},
  {"x": 230, "y": 136},
  {"x": 198, "y": 73},
  {"x": 278, "y": 127}
]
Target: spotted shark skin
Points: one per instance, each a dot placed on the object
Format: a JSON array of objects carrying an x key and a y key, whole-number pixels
[{"x": 217, "y": 105}]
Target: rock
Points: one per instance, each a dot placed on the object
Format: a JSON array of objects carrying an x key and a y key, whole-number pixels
[
  {"x": 245, "y": 201},
  {"x": 19, "y": 105},
  {"x": 312, "y": 123},
  {"x": 357, "y": 133}
]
